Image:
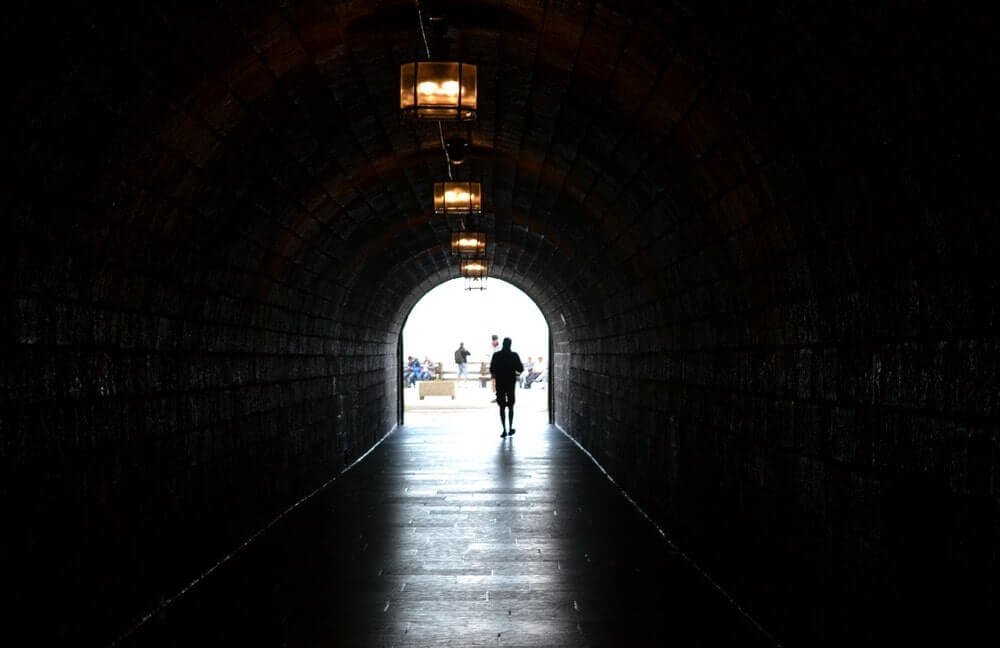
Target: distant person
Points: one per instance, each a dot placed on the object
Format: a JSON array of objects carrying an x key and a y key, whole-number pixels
[
  {"x": 494, "y": 347},
  {"x": 412, "y": 371},
  {"x": 505, "y": 367},
  {"x": 431, "y": 369},
  {"x": 462, "y": 361},
  {"x": 531, "y": 374},
  {"x": 419, "y": 371},
  {"x": 528, "y": 367}
]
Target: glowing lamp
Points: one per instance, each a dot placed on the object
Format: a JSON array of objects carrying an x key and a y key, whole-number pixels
[
  {"x": 438, "y": 90},
  {"x": 474, "y": 268},
  {"x": 457, "y": 198},
  {"x": 468, "y": 244}
]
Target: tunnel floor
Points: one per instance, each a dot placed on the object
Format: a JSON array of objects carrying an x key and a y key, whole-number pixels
[{"x": 448, "y": 535}]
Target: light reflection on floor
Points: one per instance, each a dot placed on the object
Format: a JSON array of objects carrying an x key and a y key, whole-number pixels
[
  {"x": 448, "y": 535},
  {"x": 494, "y": 497}
]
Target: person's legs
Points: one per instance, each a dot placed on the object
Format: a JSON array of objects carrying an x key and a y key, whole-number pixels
[
  {"x": 505, "y": 399},
  {"x": 510, "y": 410},
  {"x": 504, "y": 402}
]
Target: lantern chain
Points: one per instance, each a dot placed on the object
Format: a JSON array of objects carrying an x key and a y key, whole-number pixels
[
  {"x": 420, "y": 18},
  {"x": 427, "y": 49}
]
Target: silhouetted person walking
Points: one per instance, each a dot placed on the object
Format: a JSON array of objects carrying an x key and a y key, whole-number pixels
[{"x": 505, "y": 365}]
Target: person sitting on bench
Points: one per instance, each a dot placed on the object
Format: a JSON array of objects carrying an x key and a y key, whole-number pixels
[{"x": 532, "y": 372}]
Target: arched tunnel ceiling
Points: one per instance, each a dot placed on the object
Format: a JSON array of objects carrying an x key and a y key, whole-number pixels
[{"x": 613, "y": 138}]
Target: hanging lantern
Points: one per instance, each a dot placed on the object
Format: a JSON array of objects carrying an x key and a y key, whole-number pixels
[
  {"x": 457, "y": 198},
  {"x": 438, "y": 90},
  {"x": 474, "y": 268},
  {"x": 475, "y": 283},
  {"x": 468, "y": 244}
]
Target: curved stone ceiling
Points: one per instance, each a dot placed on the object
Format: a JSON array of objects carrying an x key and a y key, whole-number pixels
[{"x": 275, "y": 133}]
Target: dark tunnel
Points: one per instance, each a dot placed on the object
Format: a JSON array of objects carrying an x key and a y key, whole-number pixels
[{"x": 763, "y": 237}]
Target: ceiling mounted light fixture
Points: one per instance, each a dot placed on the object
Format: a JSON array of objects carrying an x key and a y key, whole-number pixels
[
  {"x": 474, "y": 271},
  {"x": 438, "y": 90},
  {"x": 474, "y": 283},
  {"x": 474, "y": 268},
  {"x": 458, "y": 198},
  {"x": 468, "y": 244}
]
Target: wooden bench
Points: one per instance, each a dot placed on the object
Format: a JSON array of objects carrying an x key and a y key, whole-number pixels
[
  {"x": 484, "y": 378},
  {"x": 436, "y": 388}
]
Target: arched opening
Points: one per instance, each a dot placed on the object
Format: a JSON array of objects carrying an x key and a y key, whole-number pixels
[{"x": 451, "y": 316}]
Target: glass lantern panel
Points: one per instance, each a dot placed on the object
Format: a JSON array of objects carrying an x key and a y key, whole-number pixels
[
  {"x": 473, "y": 268},
  {"x": 457, "y": 198},
  {"x": 437, "y": 84},
  {"x": 468, "y": 243},
  {"x": 470, "y": 89},
  {"x": 407, "y": 83}
]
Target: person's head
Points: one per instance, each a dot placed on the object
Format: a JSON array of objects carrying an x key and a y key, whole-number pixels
[{"x": 506, "y": 343}]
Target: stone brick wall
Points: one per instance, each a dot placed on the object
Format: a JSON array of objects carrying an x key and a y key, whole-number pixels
[
  {"x": 799, "y": 379},
  {"x": 168, "y": 387},
  {"x": 146, "y": 439}
]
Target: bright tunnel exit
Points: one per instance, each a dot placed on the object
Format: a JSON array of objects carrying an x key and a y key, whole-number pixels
[{"x": 448, "y": 316}]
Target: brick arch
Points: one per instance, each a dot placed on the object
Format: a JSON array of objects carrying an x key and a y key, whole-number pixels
[{"x": 264, "y": 96}]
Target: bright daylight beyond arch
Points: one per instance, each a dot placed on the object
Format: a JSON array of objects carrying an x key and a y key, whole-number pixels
[{"x": 449, "y": 314}]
